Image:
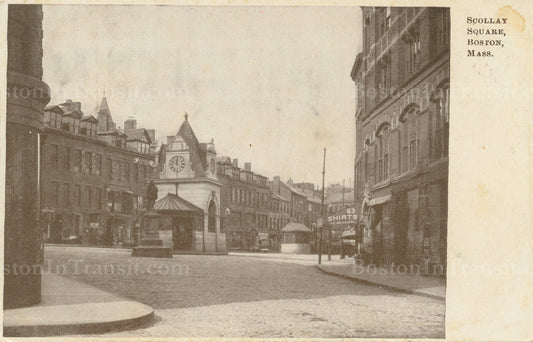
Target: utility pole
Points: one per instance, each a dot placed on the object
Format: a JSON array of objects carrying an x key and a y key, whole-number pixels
[
  {"x": 342, "y": 230},
  {"x": 322, "y": 210}
]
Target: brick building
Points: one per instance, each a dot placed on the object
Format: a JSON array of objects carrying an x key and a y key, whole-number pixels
[
  {"x": 92, "y": 178},
  {"x": 245, "y": 202},
  {"x": 401, "y": 162}
]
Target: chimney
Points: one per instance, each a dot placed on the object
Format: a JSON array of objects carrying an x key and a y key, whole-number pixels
[
  {"x": 235, "y": 162},
  {"x": 151, "y": 134},
  {"x": 248, "y": 166},
  {"x": 76, "y": 106},
  {"x": 130, "y": 124}
]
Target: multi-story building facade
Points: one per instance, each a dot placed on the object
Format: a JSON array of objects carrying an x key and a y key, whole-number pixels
[
  {"x": 92, "y": 178},
  {"x": 245, "y": 202},
  {"x": 401, "y": 162}
]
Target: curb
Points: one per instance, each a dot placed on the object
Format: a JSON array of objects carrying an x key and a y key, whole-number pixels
[
  {"x": 74, "y": 329},
  {"x": 383, "y": 286},
  {"x": 113, "y": 248}
]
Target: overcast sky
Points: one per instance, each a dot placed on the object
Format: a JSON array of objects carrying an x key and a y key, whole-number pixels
[{"x": 270, "y": 85}]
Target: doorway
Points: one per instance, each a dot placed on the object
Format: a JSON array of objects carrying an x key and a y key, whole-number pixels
[{"x": 182, "y": 234}]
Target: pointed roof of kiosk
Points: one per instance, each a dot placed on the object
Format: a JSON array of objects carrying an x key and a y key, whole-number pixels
[
  {"x": 199, "y": 163},
  {"x": 295, "y": 227},
  {"x": 173, "y": 203}
]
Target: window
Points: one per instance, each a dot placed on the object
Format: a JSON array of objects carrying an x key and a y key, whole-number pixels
[
  {"x": 440, "y": 127},
  {"x": 141, "y": 171},
  {"x": 98, "y": 198},
  {"x": 77, "y": 160},
  {"x": 384, "y": 74},
  {"x": 98, "y": 164},
  {"x": 387, "y": 18},
  {"x": 135, "y": 173},
  {"x": 414, "y": 49},
  {"x": 89, "y": 197},
  {"x": 383, "y": 152},
  {"x": 66, "y": 195},
  {"x": 127, "y": 171},
  {"x": 109, "y": 167},
  {"x": 443, "y": 28},
  {"x": 77, "y": 195},
  {"x": 124, "y": 171},
  {"x": 409, "y": 140},
  {"x": 57, "y": 121},
  {"x": 76, "y": 125},
  {"x": 54, "y": 156},
  {"x": 66, "y": 159},
  {"x": 87, "y": 163},
  {"x": 67, "y": 124},
  {"x": 54, "y": 194}
]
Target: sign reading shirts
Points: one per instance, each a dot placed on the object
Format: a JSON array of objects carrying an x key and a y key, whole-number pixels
[{"x": 344, "y": 217}]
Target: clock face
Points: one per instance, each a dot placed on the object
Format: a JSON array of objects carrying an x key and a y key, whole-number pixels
[
  {"x": 177, "y": 164},
  {"x": 212, "y": 166}
]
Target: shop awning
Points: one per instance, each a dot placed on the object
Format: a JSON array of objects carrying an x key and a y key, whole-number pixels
[{"x": 379, "y": 200}]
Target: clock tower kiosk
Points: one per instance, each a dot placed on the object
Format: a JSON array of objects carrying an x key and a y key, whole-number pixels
[{"x": 188, "y": 171}]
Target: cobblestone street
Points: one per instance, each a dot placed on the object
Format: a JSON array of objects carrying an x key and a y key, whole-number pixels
[{"x": 194, "y": 296}]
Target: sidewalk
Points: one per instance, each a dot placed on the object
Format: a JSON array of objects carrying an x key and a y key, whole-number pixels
[
  {"x": 70, "y": 307},
  {"x": 306, "y": 259},
  {"x": 416, "y": 284}
]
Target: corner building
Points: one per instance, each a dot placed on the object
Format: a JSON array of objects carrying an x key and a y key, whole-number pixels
[{"x": 402, "y": 120}]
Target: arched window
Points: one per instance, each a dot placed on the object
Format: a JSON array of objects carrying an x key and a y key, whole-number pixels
[
  {"x": 409, "y": 139},
  {"x": 211, "y": 214},
  {"x": 439, "y": 122},
  {"x": 383, "y": 152}
]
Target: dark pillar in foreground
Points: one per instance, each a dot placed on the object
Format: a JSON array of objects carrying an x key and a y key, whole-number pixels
[{"x": 26, "y": 98}]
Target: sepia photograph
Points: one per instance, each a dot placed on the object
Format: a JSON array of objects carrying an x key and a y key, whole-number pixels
[{"x": 226, "y": 171}]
